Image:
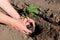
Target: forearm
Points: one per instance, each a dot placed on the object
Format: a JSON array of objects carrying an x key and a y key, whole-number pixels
[
  {"x": 9, "y": 9},
  {"x": 7, "y": 20}
]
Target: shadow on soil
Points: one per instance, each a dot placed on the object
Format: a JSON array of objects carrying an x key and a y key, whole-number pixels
[{"x": 38, "y": 30}]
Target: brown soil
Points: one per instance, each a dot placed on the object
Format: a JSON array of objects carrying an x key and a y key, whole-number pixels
[{"x": 48, "y": 22}]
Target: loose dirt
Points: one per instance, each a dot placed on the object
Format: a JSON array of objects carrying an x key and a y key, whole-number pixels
[{"x": 48, "y": 22}]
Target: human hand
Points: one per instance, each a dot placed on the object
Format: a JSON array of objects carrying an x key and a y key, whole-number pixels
[
  {"x": 22, "y": 26},
  {"x": 25, "y": 22},
  {"x": 29, "y": 20}
]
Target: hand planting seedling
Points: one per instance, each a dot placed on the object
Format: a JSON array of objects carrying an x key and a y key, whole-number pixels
[{"x": 30, "y": 10}]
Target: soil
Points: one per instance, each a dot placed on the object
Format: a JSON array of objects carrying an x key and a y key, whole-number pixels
[{"x": 47, "y": 22}]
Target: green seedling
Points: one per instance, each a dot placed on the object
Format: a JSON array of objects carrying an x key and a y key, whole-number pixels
[{"x": 31, "y": 10}]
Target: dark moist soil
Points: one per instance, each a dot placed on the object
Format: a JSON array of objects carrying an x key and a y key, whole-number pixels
[{"x": 47, "y": 22}]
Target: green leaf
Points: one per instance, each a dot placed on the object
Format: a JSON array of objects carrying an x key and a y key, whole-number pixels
[{"x": 32, "y": 10}]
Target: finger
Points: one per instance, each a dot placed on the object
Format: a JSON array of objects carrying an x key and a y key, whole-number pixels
[
  {"x": 32, "y": 22},
  {"x": 27, "y": 23},
  {"x": 25, "y": 20},
  {"x": 27, "y": 31},
  {"x": 23, "y": 31}
]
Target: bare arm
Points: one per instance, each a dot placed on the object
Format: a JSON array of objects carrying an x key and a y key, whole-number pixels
[
  {"x": 19, "y": 25},
  {"x": 6, "y": 19},
  {"x": 5, "y": 4}
]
